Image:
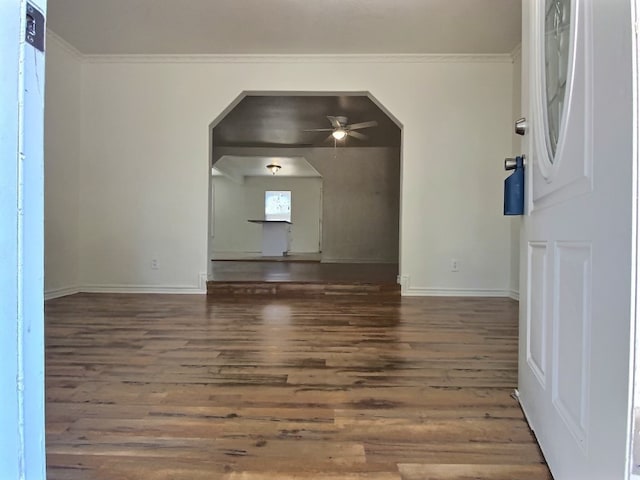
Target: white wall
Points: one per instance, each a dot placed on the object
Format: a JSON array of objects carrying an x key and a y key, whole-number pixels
[
  {"x": 236, "y": 203},
  {"x": 62, "y": 164},
  {"x": 144, "y": 159},
  {"x": 516, "y": 149}
]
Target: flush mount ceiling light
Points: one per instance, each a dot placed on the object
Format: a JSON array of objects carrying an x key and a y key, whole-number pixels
[{"x": 273, "y": 167}]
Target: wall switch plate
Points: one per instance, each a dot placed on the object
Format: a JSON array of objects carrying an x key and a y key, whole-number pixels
[{"x": 155, "y": 264}]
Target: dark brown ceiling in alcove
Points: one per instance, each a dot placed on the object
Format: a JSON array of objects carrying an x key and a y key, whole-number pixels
[{"x": 280, "y": 121}]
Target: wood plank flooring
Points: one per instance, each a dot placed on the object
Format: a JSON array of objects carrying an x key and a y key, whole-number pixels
[
  {"x": 187, "y": 387},
  {"x": 258, "y": 257},
  {"x": 300, "y": 289},
  {"x": 268, "y": 271},
  {"x": 289, "y": 279}
]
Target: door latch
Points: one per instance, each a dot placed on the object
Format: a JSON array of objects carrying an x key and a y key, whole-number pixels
[{"x": 34, "y": 28}]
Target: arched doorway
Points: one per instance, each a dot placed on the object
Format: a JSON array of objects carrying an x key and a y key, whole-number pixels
[{"x": 345, "y": 194}]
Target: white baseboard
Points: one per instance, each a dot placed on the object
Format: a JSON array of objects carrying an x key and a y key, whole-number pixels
[
  {"x": 202, "y": 282},
  {"x": 357, "y": 260},
  {"x": 167, "y": 289},
  {"x": 60, "y": 292},
  {"x": 202, "y": 289},
  {"x": 235, "y": 252},
  {"x": 452, "y": 292}
]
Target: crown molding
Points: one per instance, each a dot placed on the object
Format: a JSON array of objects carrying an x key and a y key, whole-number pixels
[
  {"x": 517, "y": 51},
  {"x": 66, "y": 46},
  {"x": 303, "y": 59},
  {"x": 417, "y": 58}
]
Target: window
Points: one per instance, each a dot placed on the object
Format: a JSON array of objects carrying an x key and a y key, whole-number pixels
[
  {"x": 277, "y": 205},
  {"x": 557, "y": 43}
]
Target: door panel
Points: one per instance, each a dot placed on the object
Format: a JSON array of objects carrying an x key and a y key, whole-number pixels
[
  {"x": 537, "y": 315},
  {"x": 577, "y": 238},
  {"x": 571, "y": 335}
]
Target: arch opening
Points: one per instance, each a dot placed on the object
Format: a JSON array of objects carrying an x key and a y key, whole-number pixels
[{"x": 345, "y": 194}]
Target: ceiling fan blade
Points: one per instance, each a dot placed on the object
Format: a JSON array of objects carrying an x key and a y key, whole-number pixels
[
  {"x": 357, "y": 126},
  {"x": 358, "y": 135},
  {"x": 319, "y": 130},
  {"x": 335, "y": 123}
]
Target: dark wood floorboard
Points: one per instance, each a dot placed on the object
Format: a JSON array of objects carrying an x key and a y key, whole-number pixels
[
  {"x": 258, "y": 257},
  {"x": 188, "y": 387},
  {"x": 266, "y": 271}
]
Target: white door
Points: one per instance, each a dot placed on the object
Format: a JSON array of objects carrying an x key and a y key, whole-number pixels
[{"x": 575, "y": 314}]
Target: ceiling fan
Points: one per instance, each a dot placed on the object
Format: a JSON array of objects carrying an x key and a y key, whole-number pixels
[{"x": 341, "y": 128}]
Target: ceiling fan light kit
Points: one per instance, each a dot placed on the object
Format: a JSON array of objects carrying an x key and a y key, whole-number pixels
[
  {"x": 339, "y": 134},
  {"x": 341, "y": 129}
]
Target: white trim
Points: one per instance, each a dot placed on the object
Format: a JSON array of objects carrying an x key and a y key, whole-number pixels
[
  {"x": 159, "y": 289},
  {"x": 634, "y": 344},
  {"x": 453, "y": 292},
  {"x": 60, "y": 292},
  {"x": 202, "y": 282},
  {"x": 311, "y": 58},
  {"x": 123, "y": 288},
  {"x": 66, "y": 46},
  {"x": 237, "y": 253},
  {"x": 514, "y": 295},
  {"x": 285, "y": 58},
  {"x": 358, "y": 260},
  {"x": 517, "y": 51},
  {"x": 167, "y": 289}
]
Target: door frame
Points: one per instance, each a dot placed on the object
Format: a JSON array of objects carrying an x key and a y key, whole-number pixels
[
  {"x": 22, "y": 436},
  {"x": 634, "y": 421}
]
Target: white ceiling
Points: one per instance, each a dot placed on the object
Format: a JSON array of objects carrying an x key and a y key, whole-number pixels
[
  {"x": 237, "y": 167},
  {"x": 287, "y": 26}
]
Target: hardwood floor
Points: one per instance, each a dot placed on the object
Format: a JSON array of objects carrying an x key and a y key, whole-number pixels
[
  {"x": 189, "y": 387},
  {"x": 258, "y": 257},
  {"x": 281, "y": 271},
  {"x": 288, "y": 279}
]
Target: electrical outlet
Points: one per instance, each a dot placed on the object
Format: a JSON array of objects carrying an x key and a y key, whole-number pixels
[
  {"x": 455, "y": 265},
  {"x": 155, "y": 264}
]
